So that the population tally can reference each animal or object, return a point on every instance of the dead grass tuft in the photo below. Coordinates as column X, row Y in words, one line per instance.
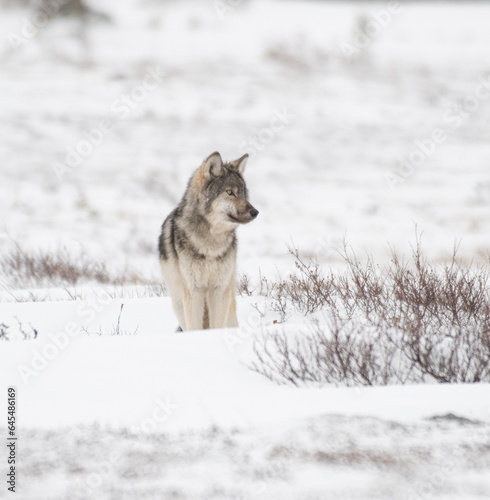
column 22, row 268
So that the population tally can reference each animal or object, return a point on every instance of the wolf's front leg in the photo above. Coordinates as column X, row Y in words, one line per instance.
column 232, row 320
column 218, row 305
column 194, row 309
column 178, row 305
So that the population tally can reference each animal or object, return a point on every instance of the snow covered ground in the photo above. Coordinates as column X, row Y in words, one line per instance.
column 159, row 414
column 329, row 456
column 156, row 414
column 150, row 413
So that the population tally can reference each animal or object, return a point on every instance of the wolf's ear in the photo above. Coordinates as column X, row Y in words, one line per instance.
column 240, row 164
column 212, row 166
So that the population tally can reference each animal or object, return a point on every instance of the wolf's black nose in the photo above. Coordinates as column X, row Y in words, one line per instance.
column 254, row 213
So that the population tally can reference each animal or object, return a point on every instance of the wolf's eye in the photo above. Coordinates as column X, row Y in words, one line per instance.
column 230, row 192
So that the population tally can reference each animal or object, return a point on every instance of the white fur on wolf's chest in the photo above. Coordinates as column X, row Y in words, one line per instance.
column 208, row 273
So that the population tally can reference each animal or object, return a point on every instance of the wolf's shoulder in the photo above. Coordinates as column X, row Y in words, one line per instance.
column 167, row 233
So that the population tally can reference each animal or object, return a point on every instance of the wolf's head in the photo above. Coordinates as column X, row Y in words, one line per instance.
column 222, row 192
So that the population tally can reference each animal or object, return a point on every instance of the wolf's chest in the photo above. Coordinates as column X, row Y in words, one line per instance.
column 209, row 272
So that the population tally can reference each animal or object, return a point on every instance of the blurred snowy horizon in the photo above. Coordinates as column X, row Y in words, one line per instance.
column 363, row 120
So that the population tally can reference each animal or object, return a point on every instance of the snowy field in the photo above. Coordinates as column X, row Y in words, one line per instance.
column 162, row 415
column 104, row 120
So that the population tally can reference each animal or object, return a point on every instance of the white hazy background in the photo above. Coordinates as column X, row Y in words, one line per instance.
column 356, row 84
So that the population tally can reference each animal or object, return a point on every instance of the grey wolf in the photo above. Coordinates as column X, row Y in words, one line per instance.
column 198, row 244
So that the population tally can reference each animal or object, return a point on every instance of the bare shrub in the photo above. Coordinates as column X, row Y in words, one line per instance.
column 3, row 331
column 49, row 6
column 298, row 54
column 53, row 9
column 22, row 268
column 345, row 354
column 22, row 333
column 116, row 329
column 245, row 286
column 409, row 321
